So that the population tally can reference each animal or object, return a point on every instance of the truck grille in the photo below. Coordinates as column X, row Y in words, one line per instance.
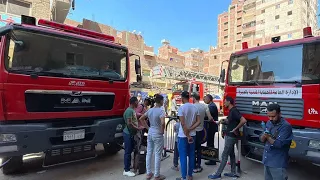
column 290, row 108
column 69, row 150
column 62, row 101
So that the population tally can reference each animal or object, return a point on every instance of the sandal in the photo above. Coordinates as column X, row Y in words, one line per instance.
column 149, row 176
column 176, row 168
column 196, row 170
column 160, row 177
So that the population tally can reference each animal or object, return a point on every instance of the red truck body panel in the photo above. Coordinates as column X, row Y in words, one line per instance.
column 13, row 87
column 310, row 92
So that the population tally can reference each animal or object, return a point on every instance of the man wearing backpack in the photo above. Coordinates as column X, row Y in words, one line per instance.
column 129, row 132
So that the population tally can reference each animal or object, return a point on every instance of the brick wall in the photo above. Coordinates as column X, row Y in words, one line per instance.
column 40, row 9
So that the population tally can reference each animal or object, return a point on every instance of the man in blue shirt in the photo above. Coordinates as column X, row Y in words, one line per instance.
column 277, row 138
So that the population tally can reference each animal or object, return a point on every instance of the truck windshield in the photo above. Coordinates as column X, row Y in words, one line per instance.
column 180, row 87
column 48, row 55
column 282, row 65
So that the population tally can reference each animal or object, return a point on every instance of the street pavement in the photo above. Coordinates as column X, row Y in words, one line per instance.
column 111, row 167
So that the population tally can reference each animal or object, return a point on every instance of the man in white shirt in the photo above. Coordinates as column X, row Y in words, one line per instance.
column 199, row 131
column 189, row 119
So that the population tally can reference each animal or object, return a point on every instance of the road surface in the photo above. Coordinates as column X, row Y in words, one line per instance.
column 111, row 168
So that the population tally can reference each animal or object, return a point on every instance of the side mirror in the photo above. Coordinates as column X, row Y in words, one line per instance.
column 137, row 66
column 139, row 78
column 222, row 75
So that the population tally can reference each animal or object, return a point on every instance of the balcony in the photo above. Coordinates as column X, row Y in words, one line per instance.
column 60, row 10
column 148, row 53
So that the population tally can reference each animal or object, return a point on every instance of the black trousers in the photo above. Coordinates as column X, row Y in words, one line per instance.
column 198, row 149
column 211, row 132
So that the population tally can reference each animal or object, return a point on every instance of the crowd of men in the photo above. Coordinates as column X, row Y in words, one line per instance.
column 189, row 129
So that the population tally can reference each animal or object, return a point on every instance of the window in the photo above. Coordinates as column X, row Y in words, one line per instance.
column 290, row 35
column 263, row 11
column 225, row 44
column 15, row 7
column 276, row 27
column 69, row 58
column 214, row 57
column 225, row 30
column 290, row 23
column 239, row 18
column 289, row 13
column 226, row 23
column 277, row 16
column 238, row 40
column 260, row 65
column 262, row 21
column 277, row 6
column 238, row 33
column 290, row 2
column 225, row 37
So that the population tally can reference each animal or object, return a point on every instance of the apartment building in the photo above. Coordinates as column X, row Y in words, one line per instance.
column 11, row 10
column 257, row 21
column 194, row 60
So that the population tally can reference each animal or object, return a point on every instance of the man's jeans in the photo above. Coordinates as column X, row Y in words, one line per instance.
column 228, row 151
column 175, row 155
column 186, row 149
column 128, row 149
column 155, row 144
column 198, row 149
column 271, row 173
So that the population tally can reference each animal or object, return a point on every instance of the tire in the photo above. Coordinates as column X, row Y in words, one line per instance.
column 14, row 165
column 111, row 148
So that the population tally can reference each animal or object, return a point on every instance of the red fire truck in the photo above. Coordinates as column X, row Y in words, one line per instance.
column 63, row 90
column 193, row 86
column 286, row 73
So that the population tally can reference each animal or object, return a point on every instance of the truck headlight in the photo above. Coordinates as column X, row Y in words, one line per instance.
column 6, row 138
column 314, row 144
column 119, row 127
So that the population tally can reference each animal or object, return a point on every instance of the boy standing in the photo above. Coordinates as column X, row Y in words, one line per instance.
column 129, row 132
column 176, row 152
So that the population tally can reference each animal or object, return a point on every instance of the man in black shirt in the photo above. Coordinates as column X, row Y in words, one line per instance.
column 211, row 123
column 234, row 122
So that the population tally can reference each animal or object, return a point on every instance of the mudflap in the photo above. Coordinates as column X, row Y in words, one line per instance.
column 209, row 153
column 67, row 155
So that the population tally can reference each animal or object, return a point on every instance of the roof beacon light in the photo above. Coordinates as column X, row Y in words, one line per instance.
column 307, row 32
column 245, row 45
column 275, row 39
column 75, row 30
column 28, row 20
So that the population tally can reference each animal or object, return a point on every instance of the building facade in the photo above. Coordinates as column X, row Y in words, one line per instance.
column 11, row 10
column 256, row 22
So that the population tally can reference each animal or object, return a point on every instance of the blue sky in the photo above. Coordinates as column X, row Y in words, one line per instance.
column 185, row 23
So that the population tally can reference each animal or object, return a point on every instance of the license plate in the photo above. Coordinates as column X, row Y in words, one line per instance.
column 73, row 135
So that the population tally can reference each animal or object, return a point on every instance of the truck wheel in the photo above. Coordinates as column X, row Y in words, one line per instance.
column 245, row 149
column 13, row 166
column 111, row 148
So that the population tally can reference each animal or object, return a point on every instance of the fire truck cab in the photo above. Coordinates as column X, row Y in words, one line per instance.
column 63, row 90
column 286, row 73
column 192, row 87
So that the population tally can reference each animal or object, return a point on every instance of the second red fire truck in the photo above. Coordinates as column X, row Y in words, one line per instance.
column 286, row 73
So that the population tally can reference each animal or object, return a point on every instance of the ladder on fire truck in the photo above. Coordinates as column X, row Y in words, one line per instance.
column 161, row 71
